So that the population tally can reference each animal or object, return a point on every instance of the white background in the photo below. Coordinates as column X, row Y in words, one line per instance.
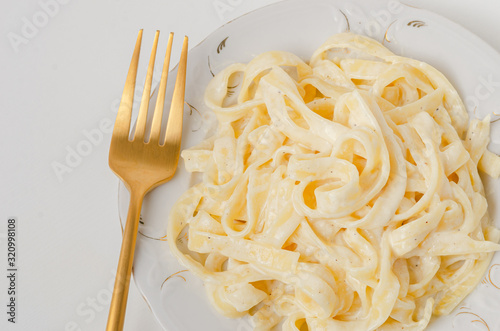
column 59, row 83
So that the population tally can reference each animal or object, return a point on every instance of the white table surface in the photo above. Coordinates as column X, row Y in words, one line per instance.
column 60, row 82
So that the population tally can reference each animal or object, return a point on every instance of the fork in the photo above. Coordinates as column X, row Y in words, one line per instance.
column 143, row 165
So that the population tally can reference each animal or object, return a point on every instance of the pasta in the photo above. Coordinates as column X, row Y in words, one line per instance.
column 339, row 194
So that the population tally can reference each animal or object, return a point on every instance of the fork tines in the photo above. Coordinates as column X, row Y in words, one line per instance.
column 123, row 119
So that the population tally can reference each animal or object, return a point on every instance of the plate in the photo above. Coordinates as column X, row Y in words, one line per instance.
column 176, row 297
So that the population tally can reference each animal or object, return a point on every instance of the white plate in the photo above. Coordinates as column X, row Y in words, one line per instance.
column 300, row 26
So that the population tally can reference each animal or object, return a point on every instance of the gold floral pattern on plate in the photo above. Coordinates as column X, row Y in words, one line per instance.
column 475, row 318
column 487, row 280
column 176, row 274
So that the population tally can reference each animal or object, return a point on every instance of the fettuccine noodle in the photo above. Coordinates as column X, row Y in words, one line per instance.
column 339, row 194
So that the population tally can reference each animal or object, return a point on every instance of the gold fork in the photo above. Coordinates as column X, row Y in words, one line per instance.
column 142, row 165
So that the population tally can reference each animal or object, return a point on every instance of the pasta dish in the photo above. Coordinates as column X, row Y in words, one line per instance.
column 341, row 193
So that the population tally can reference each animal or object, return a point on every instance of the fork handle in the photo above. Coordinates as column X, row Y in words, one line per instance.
column 118, row 305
